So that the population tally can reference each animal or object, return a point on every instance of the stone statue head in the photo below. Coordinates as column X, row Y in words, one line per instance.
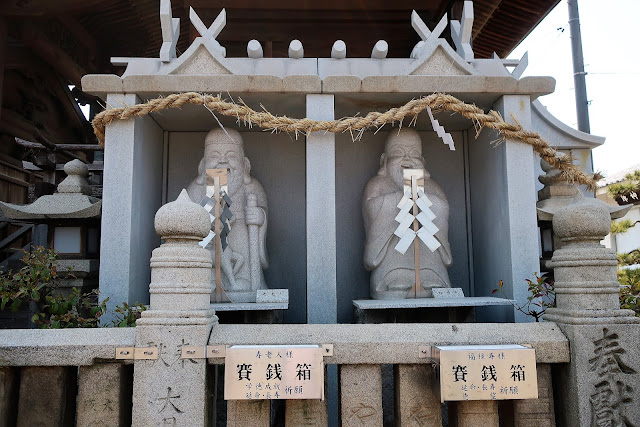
column 402, row 150
column 225, row 150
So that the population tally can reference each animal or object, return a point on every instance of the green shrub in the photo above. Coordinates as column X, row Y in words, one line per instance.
column 541, row 296
column 36, row 283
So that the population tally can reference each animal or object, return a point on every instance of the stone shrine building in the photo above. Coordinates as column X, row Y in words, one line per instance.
column 368, row 256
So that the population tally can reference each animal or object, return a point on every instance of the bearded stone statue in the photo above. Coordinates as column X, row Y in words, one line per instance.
column 393, row 273
column 245, row 258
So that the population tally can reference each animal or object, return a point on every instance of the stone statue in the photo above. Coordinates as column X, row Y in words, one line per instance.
column 392, row 273
column 245, row 258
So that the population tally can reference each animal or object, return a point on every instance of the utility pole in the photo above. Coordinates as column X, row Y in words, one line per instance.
column 580, row 86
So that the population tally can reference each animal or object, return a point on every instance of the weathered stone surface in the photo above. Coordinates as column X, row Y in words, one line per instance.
column 398, row 343
column 43, row 397
column 321, row 215
column 272, row 296
column 586, row 283
column 79, row 268
column 417, row 396
column 71, row 200
column 171, row 390
column 600, row 386
column 76, row 181
column 104, row 396
column 306, row 413
column 61, row 347
column 537, row 412
column 8, row 396
column 131, row 196
column 249, row 306
column 430, row 302
column 477, row 413
column 360, row 395
column 248, row 413
column 462, row 86
column 448, row 293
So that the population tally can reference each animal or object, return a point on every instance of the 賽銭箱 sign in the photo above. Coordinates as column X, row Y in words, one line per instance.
column 273, row 372
column 492, row 372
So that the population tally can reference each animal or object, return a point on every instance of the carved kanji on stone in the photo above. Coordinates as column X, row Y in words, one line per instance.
column 611, row 396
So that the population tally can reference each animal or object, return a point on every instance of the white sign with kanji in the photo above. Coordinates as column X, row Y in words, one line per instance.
column 273, row 372
column 492, row 372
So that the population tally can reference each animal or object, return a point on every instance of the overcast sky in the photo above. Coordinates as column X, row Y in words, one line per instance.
column 609, row 37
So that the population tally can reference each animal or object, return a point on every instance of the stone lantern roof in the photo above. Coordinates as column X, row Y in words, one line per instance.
column 72, row 200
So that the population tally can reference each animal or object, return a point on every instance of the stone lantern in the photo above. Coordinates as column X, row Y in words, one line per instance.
column 73, row 219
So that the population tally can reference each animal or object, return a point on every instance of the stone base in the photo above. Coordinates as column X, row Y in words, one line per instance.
column 591, row 317
column 260, row 296
column 248, row 306
column 272, row 295
column 600, row 385
column 249, row 312
column 427, row 310
column 46, row 396
column 235, row 297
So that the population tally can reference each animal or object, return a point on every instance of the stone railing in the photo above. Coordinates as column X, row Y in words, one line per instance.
column 77, row 377
column 54, row 377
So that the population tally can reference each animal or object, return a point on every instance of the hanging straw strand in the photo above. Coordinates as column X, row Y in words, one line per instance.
column 373, row 120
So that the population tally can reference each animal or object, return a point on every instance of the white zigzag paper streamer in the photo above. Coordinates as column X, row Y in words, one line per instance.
column 405, row 219
column 444, row 135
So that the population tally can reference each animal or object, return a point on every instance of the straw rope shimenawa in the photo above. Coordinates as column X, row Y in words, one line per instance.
column 373, row 120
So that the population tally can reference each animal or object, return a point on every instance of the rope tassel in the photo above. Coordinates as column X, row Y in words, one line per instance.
column 373, row 120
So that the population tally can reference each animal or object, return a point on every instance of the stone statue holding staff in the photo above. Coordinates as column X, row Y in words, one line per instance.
column 245, row 258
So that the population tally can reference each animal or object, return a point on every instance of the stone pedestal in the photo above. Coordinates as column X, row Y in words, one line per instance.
column 250, row 312
column 306, row 413
column 422, row 310
column 248, row 413
column 417, row 396
column 104, row 395
column 44, row 397
column 537, row 412
column 360, row 395
column 476, row 413
column 170, row 390
column 600, row 385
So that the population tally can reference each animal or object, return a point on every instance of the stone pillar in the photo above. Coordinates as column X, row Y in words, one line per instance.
column 417, row 399
column 360, row 395
column 104, row 395
column 322, row 302
column 321, row 215
column 306, row 413
column 505, row 235
column 44, row 397
column 131, row 195
column 8, row 396
column 600, row 386
column 537, row 412
column 477, row 413
column 248, row 413
column 171, row 390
